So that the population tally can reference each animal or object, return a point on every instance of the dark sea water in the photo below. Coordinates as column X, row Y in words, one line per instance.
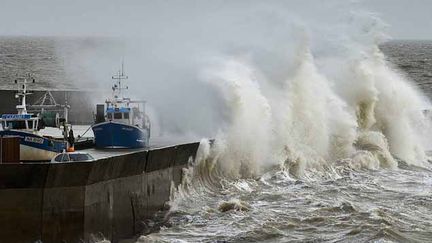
column 415, row 59
column 57, row 63
column 20, row 56
column 335, row 204
column 343, row 206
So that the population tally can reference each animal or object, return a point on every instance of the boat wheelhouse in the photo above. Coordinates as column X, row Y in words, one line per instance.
column 25, row 122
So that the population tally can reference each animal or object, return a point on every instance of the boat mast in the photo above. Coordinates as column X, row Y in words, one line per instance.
column 22, row 93
column 117, row 88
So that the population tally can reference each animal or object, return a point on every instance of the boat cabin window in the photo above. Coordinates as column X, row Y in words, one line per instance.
column 62, row 158
column 16, row 125
column 30, row 124
column 80, row 157
column 58, row 158
column 117, row 115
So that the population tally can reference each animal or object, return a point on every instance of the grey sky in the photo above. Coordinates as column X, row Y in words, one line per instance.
column 406, row 19
column 171, row 42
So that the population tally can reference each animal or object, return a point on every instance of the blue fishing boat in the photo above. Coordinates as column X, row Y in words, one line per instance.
column 121, row 122
column 33, row 146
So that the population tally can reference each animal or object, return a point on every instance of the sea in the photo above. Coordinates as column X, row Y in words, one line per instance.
column 240, row 189
column 337, row 202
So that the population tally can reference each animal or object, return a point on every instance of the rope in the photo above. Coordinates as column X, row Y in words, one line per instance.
column 80, row 136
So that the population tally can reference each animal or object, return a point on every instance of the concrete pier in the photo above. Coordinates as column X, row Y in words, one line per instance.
column 72, row 202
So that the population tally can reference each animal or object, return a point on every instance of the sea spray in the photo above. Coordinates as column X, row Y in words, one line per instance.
column 319, row 129
column 311, row 101
column 399, row 113
column 386, row 103
column 324, row 130
column 372, row 151
column 244, row 146
column 369, row 117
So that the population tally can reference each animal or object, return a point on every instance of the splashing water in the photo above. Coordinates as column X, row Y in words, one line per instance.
column 327, row 145
column 377, row 119
column 313, row 159
column 312, row 164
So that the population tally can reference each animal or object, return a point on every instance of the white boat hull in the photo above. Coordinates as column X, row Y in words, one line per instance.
column 28, row 153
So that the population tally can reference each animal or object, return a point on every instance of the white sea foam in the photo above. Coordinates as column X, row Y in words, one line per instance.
column 362, row 111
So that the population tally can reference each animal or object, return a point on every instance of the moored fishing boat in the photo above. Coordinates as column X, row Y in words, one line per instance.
column 33, row 146
column 121, row 122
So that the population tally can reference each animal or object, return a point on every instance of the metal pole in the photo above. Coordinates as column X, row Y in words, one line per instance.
column 66, row 113
column 1, row 149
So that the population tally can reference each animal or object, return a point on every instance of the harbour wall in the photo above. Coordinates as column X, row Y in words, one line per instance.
column 74, row 202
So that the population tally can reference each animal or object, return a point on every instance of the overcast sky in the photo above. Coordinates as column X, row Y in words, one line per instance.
column 406, row 19
column 174, row 41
